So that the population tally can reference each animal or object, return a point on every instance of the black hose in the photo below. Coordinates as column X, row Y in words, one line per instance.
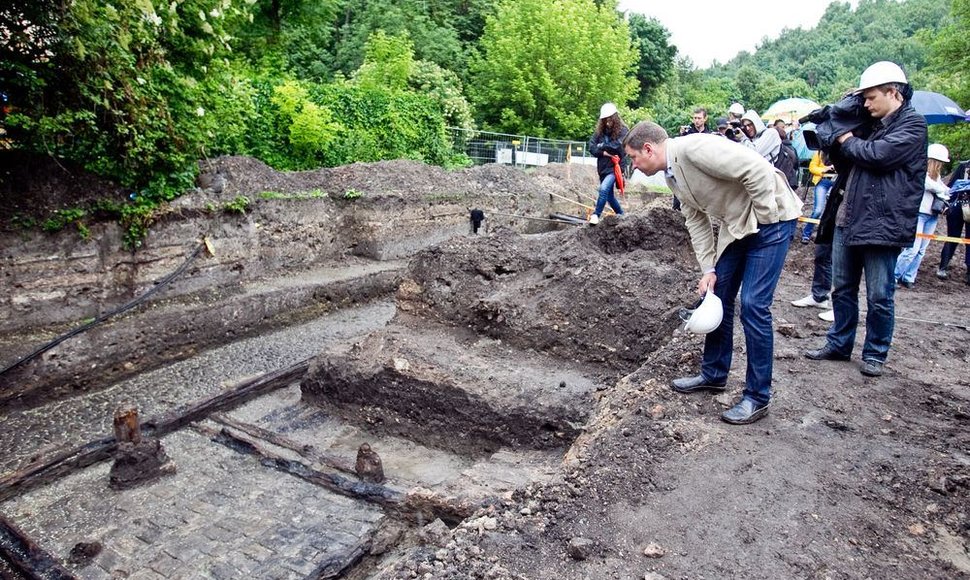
column 158, row 286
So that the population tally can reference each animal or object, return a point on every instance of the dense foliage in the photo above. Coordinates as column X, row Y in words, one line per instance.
column 139, row 90
column 546, row 67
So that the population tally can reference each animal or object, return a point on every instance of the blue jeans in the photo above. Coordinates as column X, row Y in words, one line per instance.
column 909, row 260
column 751, row 265
column 822, row 190
column 848, row 265
column 606, row 195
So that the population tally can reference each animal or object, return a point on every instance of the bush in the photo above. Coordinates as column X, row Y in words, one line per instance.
column 297, row 127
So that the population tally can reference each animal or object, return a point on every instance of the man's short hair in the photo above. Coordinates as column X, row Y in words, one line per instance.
column 644, row 132
column 700, row 110
column 885, row 87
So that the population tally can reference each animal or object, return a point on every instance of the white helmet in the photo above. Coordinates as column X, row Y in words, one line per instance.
column 938, row 152
column 881, row 73
column 736, row 109
column 707, row 316
column 607, row 110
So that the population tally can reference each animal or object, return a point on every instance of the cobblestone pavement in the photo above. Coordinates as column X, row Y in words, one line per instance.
column 222, row 515
column 61, row 424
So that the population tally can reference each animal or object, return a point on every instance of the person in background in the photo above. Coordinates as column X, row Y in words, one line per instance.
column 823, row 176
column 780, row 126
column 698, row 124
column 722, row 125
column 876, row 217
column 606, row 144
column 732, row 129
column 955, row 222
column 909, row 260
column 766, row 142
column 719, row 182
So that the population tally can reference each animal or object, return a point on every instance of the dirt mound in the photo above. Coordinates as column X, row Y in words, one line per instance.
column 586, row 294
column 34, row 186
column 400, row 178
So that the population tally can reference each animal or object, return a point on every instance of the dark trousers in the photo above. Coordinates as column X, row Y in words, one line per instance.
column 822, row 277
column 752, row 266
column 954, row 228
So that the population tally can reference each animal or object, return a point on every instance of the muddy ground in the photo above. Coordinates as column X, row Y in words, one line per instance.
column 848, row 477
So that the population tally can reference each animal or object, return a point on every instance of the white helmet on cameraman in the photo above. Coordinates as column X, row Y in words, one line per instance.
column 938, row 152
column 607, row 110
column 707, row 316
column 881, row 73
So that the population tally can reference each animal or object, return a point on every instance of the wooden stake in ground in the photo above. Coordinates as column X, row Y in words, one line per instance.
column 137, row 460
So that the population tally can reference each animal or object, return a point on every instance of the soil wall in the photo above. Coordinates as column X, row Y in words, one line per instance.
column 296, row 221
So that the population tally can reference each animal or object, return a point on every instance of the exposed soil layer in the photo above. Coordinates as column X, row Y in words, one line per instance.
column 605, row 295
column 454, row 390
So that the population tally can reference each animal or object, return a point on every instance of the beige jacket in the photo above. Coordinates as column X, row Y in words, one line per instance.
column 719, row 181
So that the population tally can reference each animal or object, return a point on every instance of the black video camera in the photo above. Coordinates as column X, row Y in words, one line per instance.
column 733, row 131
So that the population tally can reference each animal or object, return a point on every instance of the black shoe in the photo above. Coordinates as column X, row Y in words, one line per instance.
column 942, row 274
column 746, row 411
column 694, row 384
column 905, row 284
column 825, row 353
column 871, row 368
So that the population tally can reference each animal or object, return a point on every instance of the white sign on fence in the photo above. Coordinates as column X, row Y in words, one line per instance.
column 521, row 157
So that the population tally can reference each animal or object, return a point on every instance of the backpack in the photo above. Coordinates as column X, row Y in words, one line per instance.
column 787, row 162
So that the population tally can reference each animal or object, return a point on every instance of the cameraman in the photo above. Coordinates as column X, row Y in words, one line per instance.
column 699, row 124
column 732, row 125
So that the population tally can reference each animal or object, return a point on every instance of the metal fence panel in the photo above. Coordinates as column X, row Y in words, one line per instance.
column 518, row 150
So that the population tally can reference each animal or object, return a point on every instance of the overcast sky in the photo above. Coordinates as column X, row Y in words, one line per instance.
column 707, row 30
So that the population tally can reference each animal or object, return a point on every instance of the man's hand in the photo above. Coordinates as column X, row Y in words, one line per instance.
column 845, row 137
column 707, row 281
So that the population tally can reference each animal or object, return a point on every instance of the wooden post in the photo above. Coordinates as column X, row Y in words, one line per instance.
column 127, row 428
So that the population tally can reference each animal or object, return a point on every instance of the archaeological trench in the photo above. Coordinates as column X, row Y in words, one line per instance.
column 215, row 429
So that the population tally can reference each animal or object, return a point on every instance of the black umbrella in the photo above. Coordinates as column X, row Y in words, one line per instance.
column 937, row 108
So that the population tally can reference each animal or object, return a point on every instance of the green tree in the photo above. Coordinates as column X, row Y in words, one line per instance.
column 295, row 36
column 388, row 62
column 656, row 62
column 129, row 90
column 428, row 24
column 949, row 73
column 546, row 66
column 429, row 79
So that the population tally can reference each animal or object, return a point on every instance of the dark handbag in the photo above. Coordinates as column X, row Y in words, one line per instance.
column 938, row 207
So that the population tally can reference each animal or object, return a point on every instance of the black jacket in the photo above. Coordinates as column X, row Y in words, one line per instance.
column 601, row 146
column 834, row 120
column 884, row 176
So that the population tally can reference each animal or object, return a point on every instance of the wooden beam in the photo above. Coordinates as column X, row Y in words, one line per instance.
column 47, row 469
column 305, row 451
column 335, row 482
column 26, row 557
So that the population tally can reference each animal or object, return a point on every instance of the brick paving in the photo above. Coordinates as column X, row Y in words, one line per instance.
column 222, row 515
